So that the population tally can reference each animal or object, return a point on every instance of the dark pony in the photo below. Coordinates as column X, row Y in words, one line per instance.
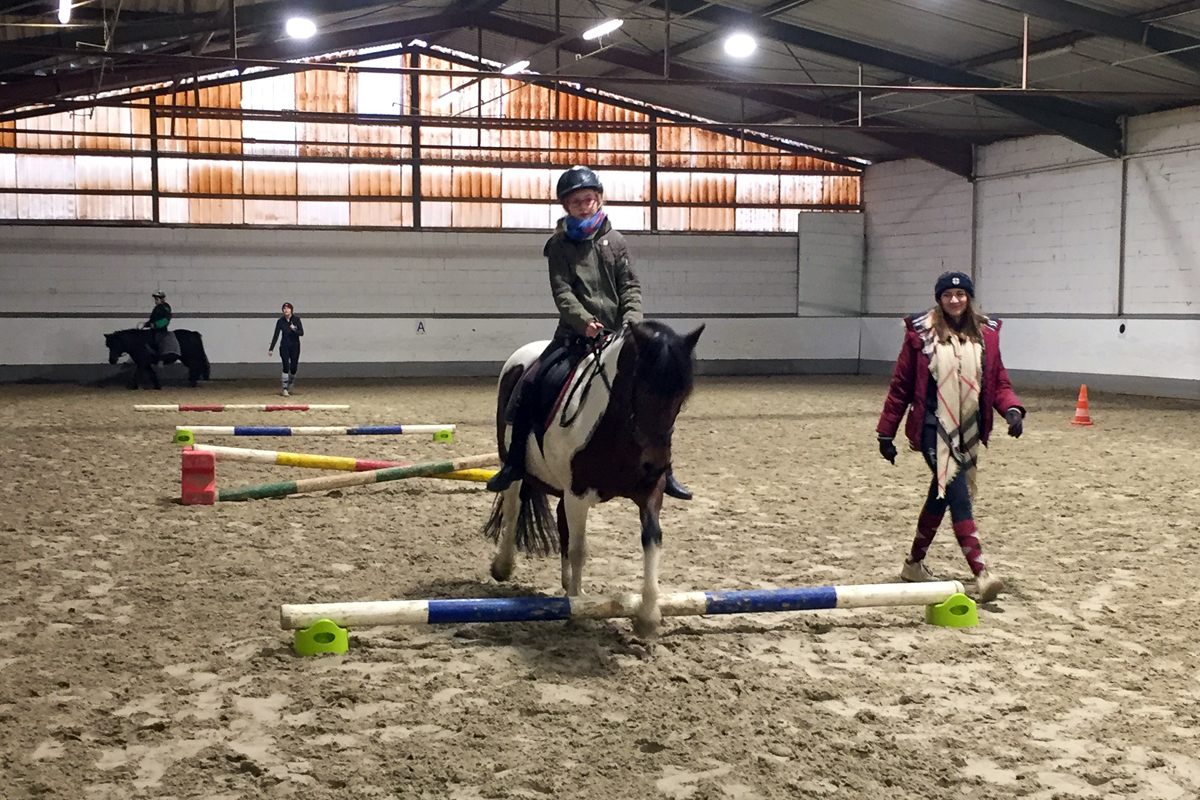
column 139, row 344
column 609, row 436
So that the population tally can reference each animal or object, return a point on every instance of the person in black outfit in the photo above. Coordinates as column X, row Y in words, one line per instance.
column 288, row 330
column 160, row 318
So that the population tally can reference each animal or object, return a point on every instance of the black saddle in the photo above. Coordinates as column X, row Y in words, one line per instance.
column 542, row 384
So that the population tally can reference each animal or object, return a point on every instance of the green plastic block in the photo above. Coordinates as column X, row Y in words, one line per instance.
column 957, row 611
column 443, row 436
column 184, row 437
column 323, row 636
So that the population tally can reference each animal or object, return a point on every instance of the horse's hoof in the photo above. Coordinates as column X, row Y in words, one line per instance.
column 500, row 572
column 647, row 628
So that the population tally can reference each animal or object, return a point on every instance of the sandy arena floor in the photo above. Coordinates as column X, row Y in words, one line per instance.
column 142, row 655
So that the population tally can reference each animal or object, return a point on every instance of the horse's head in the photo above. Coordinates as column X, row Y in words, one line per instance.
column 114, row 348
column 662, row 381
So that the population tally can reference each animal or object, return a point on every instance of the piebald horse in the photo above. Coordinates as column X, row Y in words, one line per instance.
column 608, row 436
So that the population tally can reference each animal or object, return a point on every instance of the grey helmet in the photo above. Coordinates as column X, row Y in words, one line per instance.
column 578, row 178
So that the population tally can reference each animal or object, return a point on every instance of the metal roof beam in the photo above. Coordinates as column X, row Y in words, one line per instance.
column 949, row 154
column 1093, row 128
column 1101, row 23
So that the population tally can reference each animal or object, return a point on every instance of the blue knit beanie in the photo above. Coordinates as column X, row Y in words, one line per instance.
column 953, row 280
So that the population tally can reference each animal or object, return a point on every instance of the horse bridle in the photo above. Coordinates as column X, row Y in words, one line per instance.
column 596, row 347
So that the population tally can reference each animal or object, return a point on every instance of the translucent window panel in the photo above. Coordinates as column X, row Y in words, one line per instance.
column 202, row 211
column 99, row 120
column 273, row 137
column 437, row 182
column 45, row 172
column 435, row 142
column 631, row 149
column 312, row 213
column 174, row 210
column 269, row 177
column 631, row 187
column 172, row 175
column 475, row 215
column 522, row 215
column 673, row 145
column 377, row 180
column 325, row 91
column 8, row 180
column 105, row 173
column 492, row 93
column 276, row 93
column 141, row 174
column 800, row 189
column 436, row 215
column 214, row 177
column 789, row 220
column 140, row 119
column 8, row 134
column 143, row 208
column 269, row 138
column 713, row 187
column 713, row 219
column 629, row 218
column 674, row 187
column 381, row 93
column 270, row 212
column 381, row 214
column 674, row 219
column 381, row 141
column 36, row 132
column 757, row 219
column 46, row 206
column 332, row 179
column 476, row 182
column 517, row 183
column 527, row 146
column 758, row 190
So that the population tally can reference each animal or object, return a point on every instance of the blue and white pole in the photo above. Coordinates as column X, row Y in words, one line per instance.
column 323, row 430
column 536, row 609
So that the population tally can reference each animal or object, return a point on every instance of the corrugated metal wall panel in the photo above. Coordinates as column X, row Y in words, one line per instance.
column 269, row 212
column 325, row 214
column 103, row 172
column 268, row 177
column 381, row 214
column 372, row 180
column 322, row 90
column 8, row 134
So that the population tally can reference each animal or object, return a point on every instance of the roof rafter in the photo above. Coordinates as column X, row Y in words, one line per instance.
column 1093, row 128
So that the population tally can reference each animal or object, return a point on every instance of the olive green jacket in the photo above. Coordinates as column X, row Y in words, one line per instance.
column 592, row 280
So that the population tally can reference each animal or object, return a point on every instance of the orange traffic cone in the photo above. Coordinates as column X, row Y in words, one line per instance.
column 1081, row 408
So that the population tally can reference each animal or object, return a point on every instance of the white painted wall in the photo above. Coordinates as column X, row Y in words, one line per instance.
column 1048, row 255
column 831, row 263
column 362, row 294
column 918, row 225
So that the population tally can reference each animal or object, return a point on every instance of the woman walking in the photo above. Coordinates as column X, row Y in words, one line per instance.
column 949, row 377
column 288, row 330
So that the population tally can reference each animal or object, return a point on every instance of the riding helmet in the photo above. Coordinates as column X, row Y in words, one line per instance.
column 163, row 295
column 578, row 178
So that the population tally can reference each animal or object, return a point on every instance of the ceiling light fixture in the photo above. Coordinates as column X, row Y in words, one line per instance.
column 64, row 11
column 740, row 45
column 515, row 67
column 300, row 28
column 608, row 26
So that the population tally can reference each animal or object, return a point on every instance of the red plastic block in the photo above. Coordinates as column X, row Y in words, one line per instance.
column 199, row 478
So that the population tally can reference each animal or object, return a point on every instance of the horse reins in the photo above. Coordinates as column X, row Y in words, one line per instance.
column 596, row 348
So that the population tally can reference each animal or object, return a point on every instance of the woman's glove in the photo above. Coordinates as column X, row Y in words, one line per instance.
column 1015, row 422
column 887, row 449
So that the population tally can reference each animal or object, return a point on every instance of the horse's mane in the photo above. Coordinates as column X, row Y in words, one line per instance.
column 664, row 362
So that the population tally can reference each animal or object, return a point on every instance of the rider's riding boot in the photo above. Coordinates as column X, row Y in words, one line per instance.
column 514, row 462
column 676, row 489
column 284, row 381
column 291, row 383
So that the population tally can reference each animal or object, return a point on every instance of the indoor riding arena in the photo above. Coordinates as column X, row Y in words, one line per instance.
column 810, row 239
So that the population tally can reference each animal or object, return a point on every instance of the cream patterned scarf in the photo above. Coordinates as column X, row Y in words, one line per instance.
column 957, row 369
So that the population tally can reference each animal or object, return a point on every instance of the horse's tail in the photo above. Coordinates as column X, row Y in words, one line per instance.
column 204, row 365
column 537, row 532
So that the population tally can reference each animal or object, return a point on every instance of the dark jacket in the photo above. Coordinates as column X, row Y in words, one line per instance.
column 160, row 316
column 910, row 382
column 291, row 338
column 592, row 280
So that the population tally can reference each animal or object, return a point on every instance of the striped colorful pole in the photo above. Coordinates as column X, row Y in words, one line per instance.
column 249, row 407
column 333, row 430
column 534, row 609
column 247, row 455
column 357, row 479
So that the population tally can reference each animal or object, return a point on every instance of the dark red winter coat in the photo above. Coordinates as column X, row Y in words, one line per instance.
column 910, row 380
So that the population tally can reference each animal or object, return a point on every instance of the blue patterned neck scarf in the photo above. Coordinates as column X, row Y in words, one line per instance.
column 579, row 230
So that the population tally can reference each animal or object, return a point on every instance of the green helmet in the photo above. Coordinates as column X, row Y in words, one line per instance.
column 578, row 178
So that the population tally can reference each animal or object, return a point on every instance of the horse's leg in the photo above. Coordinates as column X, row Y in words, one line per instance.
column 153, row 376
column 564, row 542
column 506, row 554
column 649, row 616
column 575, row 509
